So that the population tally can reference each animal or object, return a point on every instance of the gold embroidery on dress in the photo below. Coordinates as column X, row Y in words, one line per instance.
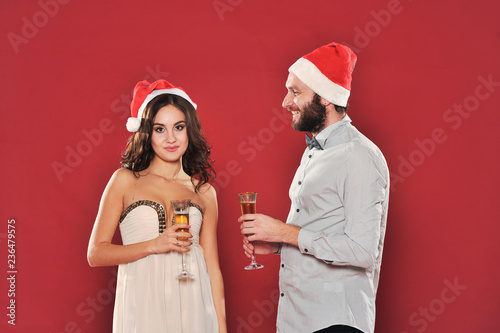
column 156, row 206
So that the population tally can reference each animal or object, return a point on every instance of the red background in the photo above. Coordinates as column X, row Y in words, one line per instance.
column 67, row 72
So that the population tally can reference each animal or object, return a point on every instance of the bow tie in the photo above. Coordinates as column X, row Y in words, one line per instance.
column 313, row 143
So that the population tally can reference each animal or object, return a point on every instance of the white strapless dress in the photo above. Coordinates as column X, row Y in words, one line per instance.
column 149, row 298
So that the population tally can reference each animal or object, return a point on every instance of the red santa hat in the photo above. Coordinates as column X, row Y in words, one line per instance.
column 328, row 72
column 144, row 92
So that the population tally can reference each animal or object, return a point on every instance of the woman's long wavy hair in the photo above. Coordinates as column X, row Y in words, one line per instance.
column 196, row 161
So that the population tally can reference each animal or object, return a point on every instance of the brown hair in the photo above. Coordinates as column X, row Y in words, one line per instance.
column 196, row 161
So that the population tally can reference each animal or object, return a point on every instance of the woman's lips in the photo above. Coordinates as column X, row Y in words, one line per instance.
column 171, row 149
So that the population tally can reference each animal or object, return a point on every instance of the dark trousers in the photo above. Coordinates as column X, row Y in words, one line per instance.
column 339, row 329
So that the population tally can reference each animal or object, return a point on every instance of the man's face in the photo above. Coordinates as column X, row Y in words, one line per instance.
column 308, row 113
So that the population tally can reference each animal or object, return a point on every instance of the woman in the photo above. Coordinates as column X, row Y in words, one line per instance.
column 166, row 159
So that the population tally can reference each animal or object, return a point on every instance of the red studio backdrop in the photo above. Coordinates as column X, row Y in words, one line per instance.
column 426, row 90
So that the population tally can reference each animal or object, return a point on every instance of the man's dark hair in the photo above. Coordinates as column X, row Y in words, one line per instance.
column 341, row 109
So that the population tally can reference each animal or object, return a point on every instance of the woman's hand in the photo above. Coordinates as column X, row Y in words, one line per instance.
column 172, row 239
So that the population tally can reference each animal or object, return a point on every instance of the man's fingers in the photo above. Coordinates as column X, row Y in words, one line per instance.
column 246, row 217
column 247, row 250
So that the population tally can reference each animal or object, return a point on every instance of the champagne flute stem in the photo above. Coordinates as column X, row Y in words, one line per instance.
column 183, row 261
column 253, row 256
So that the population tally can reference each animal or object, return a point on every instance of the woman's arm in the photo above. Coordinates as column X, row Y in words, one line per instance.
column 101, row 252
column 208, row 242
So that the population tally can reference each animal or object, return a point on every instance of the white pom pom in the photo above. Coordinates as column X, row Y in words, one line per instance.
column 133, row 124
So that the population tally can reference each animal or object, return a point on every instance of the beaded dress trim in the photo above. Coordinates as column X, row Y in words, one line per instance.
column 156, row 206
column 159, row 210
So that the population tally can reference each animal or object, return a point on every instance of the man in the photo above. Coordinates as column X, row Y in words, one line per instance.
column 331, row 245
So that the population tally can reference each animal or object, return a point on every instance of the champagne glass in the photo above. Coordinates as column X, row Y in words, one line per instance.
column 181, row 215
column 248, row 203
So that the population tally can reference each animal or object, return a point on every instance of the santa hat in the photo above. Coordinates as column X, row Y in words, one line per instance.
column 144, row 92
column 328, row 72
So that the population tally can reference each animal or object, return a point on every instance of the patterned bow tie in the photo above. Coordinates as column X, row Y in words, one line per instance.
column 313, row 143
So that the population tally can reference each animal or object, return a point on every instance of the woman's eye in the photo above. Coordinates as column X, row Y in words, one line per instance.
column 179, row 127
column 159, row 129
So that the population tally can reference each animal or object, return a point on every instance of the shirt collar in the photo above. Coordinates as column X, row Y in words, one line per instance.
column 331, row 130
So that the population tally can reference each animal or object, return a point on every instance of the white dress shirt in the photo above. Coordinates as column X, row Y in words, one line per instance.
column 339, row 198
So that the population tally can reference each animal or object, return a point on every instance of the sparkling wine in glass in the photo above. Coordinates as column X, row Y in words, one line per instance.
column 181, row 215
column 248, row 203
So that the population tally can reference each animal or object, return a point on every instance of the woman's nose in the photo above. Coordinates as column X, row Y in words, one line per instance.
column 170, row 138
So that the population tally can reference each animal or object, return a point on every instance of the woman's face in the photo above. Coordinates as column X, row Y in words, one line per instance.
column 169, row 138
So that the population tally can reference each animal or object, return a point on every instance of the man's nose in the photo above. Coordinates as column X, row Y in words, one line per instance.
column 287, row 101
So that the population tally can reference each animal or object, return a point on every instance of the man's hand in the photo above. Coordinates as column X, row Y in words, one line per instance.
column 259, row 247
column 259, row 227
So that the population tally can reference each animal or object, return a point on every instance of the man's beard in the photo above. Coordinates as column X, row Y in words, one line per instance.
column 312, row 117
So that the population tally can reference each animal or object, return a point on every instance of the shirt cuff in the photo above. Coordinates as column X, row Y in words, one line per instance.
column 305, row 241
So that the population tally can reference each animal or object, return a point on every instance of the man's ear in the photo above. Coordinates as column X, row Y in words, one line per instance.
column 325, row 102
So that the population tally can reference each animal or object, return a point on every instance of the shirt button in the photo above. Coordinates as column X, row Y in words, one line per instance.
column 282, row 265
column 306, row 250
column 282, row 294
column 300, row 183
column 298, row 210
column 310, row 156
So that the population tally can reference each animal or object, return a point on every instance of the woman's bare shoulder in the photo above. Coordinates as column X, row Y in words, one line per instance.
column 123, row 178
column 207, row 196
column 207, row 191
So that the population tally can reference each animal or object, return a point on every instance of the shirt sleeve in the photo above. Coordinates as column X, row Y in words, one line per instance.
column 363, row 185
